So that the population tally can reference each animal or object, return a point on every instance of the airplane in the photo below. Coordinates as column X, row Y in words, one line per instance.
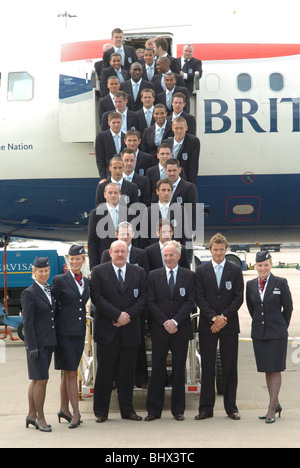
column 247, row 107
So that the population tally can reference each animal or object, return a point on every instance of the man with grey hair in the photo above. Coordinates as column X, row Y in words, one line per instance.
column 171, row 301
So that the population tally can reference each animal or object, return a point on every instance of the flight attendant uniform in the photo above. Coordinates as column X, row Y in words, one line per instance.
column 38, row 309
column 71, row 294
column 270, row 306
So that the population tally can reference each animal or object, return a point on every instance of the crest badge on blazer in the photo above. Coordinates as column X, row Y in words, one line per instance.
column 136, row 293
column 182, row 292
column 229, row 285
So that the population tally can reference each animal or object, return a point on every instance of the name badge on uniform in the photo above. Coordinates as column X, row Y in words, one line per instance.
column 276, row 291
column 136, row 293
column 182, row 292
column 229, row 285
column 185, row 156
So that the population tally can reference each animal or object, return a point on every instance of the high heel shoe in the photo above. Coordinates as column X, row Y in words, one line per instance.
column 272, row 420
column 41, row 428
column 62, row 415
column 30, row 421
column 74, row 425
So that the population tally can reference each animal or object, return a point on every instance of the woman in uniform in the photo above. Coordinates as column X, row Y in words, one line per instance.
column 40, row 339
column 71, row 293
column 270, row 305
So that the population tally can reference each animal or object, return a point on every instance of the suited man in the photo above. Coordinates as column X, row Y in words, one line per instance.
column 171, row 301
column 178, row 105
column 129, row 175
column 157, row 172
column 129, row 190
column 127, row 53
column 149, row 64
column 185, row 148
column 129, row 118
column 119, row 293
column 220, row 294
column 161, row 50
column 166, row 97
column 135, row 85
column 38, row 309
column 163, row 209
column 163, row 67
column 108, row 143
column 103, row 223
column 165, row 233
column 153, row 136
column 115, row 69
column 137, row 257
column 189, row 65
column 145, row 114
column 143, row 161
column 107, row 103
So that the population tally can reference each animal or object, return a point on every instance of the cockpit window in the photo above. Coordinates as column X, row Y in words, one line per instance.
column 244, row 82
column 276, row 82
column 20, row 86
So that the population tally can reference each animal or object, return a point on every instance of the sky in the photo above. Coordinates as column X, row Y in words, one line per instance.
column 34, row 23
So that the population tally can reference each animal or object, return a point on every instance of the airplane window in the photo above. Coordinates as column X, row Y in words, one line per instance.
column 276, row 82
column 20, row 86
column 244, row 82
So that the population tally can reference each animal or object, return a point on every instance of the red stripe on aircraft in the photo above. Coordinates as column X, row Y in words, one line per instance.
column 93, row 49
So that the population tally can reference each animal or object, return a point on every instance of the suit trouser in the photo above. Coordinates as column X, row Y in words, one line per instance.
column 229, row 357
column 115, row 358
column 156, row 391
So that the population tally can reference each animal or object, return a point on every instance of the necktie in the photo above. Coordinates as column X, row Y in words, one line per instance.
column 120, row 76
column 163, row 82
column 47, row 289
column 115, row 213
column 121, row 281
column 171, row 282
column 150, row 73
column 78, row 278
column 135, row 91
column 121, row 52
column 158, row 136
column 117, row 143
column 219, row 274
column 185, row 66
column 176, row 150
column 148, row 117
column 262, row 284
column 169, row 100
column 163, row 174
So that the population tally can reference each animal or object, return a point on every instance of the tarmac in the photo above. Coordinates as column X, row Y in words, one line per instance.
column 166, row 436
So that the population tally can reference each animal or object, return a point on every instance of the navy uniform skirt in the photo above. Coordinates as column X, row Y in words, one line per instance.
column 68, row 352
column 270, row 355
column 39, row 370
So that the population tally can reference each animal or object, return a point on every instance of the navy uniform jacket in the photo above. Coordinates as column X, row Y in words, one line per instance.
column 109, row 301
column 39, row 318
column 163, row 307
column 225, row 301
column 271, row 317
column 70, row 305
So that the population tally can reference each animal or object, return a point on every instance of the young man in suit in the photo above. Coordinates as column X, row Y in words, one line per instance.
column 178, row 105
column 129, row 118
column 135, row 85
column 108, row 143
column 129, row 175
column 153, row 136
column 103, row 223
column 163, row 67
column 166, row 97
column 149, row 64
column 185, row 148
column 219, row 296
column 171, row 301
column 143, row 160
column 157, row 172
column 115, row 69
column 119, row 293
column 129, row 190
column 189, row 66
column 145, row 114
column 127, row 53
column 165, row 233
column 161, row 50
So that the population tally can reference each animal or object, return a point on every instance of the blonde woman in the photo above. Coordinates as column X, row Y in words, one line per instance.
column 270, row 305
column 40, row 338
column 71, row 293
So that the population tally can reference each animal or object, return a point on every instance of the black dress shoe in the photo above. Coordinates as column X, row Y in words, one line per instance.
column 101, row 419
column 150, row 417
column 133, row 417
column 202, row 415
column 235, row 416
column 179, row 417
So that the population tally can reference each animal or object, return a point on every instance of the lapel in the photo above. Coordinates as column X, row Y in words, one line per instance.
column 70, row 280
column 42, row 295
column 270, row 287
